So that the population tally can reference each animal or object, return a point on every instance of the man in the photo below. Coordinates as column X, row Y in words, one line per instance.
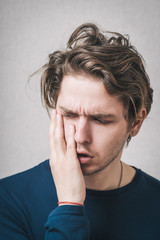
column 100, row 94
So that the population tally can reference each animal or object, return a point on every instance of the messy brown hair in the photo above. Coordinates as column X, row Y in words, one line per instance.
column 109, row 57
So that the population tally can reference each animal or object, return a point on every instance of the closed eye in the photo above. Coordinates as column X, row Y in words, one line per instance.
column 66, row 115
column 99, row 121
column 104, row 122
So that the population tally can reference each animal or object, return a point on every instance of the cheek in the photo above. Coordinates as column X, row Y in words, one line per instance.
column 100, row 138
column 108, row 136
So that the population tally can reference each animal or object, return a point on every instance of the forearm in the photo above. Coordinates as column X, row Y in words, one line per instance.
column 67, row 222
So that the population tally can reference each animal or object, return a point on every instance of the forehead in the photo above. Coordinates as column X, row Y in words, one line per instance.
column 87, row 95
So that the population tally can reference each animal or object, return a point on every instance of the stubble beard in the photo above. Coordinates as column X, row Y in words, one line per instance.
column 108, row 160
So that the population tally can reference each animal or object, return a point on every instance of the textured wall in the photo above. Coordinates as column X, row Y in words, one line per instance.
column 30, row 30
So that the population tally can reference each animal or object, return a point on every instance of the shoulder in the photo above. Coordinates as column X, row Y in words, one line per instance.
column 148, row 184
column 150, row 180
column 23, row 198
column 25, row 175
column 25, row 182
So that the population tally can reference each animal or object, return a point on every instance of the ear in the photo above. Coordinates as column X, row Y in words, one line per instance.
column 137, row 123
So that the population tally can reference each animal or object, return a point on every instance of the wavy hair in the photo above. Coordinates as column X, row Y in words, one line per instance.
column 108, row 56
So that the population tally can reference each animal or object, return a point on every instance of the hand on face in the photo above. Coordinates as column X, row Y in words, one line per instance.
column 65, row 166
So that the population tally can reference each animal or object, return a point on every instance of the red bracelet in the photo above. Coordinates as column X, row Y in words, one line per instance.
column 71, row 203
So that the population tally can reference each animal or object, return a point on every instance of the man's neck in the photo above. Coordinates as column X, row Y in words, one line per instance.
column 108, row 178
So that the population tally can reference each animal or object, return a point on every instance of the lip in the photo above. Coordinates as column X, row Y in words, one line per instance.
column 84, row 157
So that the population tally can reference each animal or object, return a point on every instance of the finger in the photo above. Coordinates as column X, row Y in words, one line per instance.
column 52, row 129
column 59, row 141
column 71, row 144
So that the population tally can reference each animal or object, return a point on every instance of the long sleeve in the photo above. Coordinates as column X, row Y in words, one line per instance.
column 67, row 222
column 12, row 219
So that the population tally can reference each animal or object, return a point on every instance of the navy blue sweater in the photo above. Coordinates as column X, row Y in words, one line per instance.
column 28, row 210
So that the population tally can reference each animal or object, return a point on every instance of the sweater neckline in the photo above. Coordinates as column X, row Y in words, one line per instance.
column 116, row 191
column 120, row 190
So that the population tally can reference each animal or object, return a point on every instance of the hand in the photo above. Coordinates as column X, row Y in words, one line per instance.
column 65, row 166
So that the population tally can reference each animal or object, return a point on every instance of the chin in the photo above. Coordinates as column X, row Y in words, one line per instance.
column 89, row 171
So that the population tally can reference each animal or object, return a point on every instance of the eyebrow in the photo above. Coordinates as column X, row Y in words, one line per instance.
column 98, row 115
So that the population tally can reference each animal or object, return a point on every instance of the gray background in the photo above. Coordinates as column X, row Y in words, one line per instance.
column 32, row 29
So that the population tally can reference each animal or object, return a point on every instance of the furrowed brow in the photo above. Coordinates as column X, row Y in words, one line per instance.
column 65, row 110
column 97, row 116
column 103, row 116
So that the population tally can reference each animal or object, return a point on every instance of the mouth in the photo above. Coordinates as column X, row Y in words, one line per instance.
column 84, row 157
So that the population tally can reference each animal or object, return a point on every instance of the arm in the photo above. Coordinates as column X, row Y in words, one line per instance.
column 12, row 219
column 66, row 221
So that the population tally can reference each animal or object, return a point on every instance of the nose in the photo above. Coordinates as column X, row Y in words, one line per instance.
column 83, row 133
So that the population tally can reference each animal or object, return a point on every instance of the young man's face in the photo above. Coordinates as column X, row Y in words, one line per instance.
column 101, row 129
